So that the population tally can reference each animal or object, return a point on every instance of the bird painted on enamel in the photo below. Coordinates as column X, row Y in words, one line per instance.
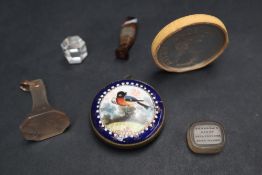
column 123, row 100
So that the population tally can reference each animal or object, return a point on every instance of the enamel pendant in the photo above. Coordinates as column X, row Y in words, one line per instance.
column 127, row 113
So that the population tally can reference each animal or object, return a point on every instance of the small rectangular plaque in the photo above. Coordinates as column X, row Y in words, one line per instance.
column 206, row 137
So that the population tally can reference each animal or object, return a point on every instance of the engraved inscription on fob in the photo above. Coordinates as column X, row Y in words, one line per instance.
column 207, row 134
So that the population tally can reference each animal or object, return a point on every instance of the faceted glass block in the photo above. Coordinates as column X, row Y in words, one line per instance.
column 74, row 49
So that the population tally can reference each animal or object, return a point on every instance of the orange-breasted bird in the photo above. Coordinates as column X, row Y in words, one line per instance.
column 123, row 100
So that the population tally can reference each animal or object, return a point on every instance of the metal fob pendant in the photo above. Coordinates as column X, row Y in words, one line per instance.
column 127, row 113
column 44, row 121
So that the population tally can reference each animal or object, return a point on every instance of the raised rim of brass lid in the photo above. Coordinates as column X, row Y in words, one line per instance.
column 206, row 149
column 178, row 25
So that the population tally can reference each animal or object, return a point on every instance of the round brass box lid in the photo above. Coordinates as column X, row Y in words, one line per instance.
column 189, row 43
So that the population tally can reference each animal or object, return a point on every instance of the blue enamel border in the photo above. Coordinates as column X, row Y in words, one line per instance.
column 142, row 136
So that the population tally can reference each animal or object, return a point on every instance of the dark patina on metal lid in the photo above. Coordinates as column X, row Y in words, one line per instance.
column 127, row 114
column 206, row 137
